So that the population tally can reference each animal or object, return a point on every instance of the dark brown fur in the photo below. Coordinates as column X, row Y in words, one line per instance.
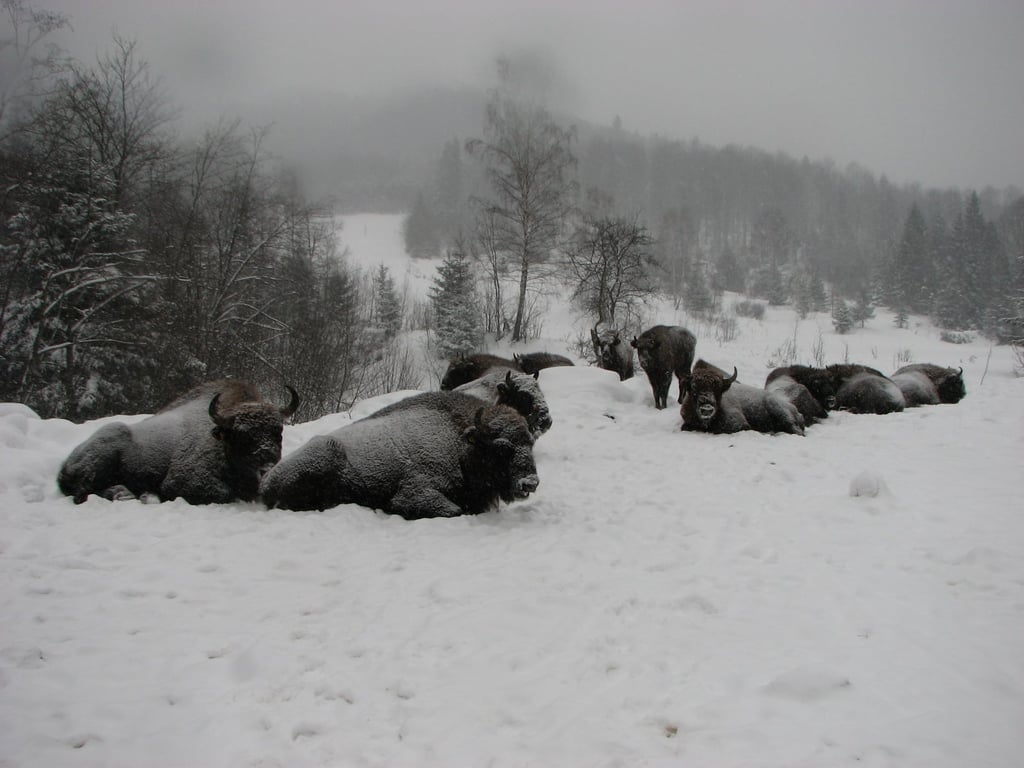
column 463, row 370
column 665, row 350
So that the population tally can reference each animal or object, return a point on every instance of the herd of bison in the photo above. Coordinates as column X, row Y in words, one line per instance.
column 458, row 450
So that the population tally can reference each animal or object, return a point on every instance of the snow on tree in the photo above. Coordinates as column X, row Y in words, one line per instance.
column 456, row 312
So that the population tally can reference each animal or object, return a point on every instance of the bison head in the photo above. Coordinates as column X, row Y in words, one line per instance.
column 704, row 389
column 502, row 455
column 951, row 387
column 523, row 394
column 820, row 384
column 646, row 349
column 250, row 433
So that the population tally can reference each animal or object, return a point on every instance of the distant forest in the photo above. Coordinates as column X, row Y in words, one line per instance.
column 136, row 263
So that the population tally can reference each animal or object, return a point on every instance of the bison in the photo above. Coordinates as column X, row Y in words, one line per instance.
column 535, row 362
column 612, row 353
column 716, row 403
column 861, row 389
column 466, row 368
column 928, row 384
column 521, row 391
column 818, row 382
column 210, row 446
column 664, row 350
column 436, row 454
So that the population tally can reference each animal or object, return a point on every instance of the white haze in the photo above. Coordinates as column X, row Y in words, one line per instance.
column 920, row 90
column 848, row 598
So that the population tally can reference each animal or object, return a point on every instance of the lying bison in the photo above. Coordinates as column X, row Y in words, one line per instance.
column 818, row 382
column 436, row 454
column 612, row 353
column 716, row 403
column 465, row 368
column 503, row 386
column 210, row 446
column 927, row 384
column 860, row 389
column 664, row 350
column 535, row 362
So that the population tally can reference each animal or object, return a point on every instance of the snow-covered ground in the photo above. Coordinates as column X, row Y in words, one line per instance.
column 851, row 597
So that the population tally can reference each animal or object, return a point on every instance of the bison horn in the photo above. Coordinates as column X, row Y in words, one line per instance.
column 961, row 371
column 213, row 409
column 293, row 406
column 732, row 378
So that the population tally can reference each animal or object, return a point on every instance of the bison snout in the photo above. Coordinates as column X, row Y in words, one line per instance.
column 527, row 485
column 830, row 402
column 706, row 411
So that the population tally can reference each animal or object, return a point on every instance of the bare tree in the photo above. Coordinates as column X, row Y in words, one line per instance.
column 528, row 162
column 23, row 68
column 610, row 263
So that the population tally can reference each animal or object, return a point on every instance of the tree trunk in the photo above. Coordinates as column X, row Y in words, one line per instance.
column 524, row 280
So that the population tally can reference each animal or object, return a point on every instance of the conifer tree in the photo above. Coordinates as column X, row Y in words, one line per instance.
column 842, row 317
column 420, row 231
column 387, row 305
column 456, row 313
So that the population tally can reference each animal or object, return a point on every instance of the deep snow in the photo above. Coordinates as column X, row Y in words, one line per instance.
column 851, row 597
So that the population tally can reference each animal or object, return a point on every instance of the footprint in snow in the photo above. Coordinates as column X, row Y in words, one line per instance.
column 807, row 684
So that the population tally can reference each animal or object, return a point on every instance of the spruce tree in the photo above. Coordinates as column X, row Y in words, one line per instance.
column 842, row 317
column 456, row 312
column 387, row 305
column 420, row 231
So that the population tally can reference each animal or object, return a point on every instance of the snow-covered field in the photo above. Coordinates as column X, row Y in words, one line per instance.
column 665, row 598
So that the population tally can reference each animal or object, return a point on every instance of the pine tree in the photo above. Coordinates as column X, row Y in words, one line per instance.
column 387, row 305
column 842, row 317
column 456, row 313
column 911, row 279
column 864, row 309
column 420, row 231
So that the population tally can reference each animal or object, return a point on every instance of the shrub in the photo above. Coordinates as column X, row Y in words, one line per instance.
column 746, row 308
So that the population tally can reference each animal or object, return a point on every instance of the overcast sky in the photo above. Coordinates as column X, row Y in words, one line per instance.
column 927, row 90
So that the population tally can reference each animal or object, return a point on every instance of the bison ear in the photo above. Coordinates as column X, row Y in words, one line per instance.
column 473, row 433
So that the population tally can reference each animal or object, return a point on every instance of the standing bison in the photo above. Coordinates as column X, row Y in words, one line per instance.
column 535, row 362
column 927, row 384
column 436, row 454
column 716, row 403
column 612, row 353
column 664, row 350
column 210, row 446
column 503, row 386
column 860, row 389
column 466, row 368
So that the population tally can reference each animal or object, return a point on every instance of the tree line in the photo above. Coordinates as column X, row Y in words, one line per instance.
column 618, row 217
column 136, row 264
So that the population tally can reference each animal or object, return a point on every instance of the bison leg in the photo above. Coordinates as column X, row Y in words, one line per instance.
column 118, row 493
column 416, row 499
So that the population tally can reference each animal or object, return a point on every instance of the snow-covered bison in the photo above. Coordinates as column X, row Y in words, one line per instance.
column 612, row 353
column 209, row 446
column 928, row 384
column 535, row 362
column 716, row 403
column 503, row 386
column 817, row 381
column 860, row 389
column 436, row 454
column 662, row 351
column 465, row 368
